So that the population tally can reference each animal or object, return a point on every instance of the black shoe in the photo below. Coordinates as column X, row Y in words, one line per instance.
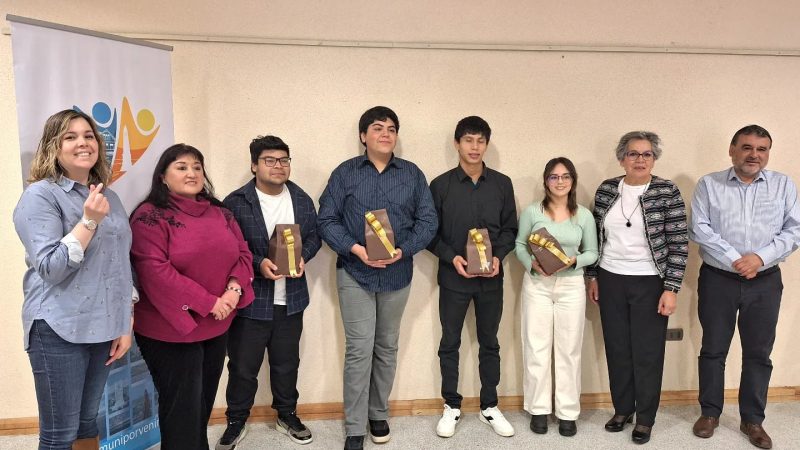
column 290, row 425
column 617, row 423
column 539, row 423
column 354, row 443
column 234, row 434
column 379, row 431
column 641, row 434
column 567, row 427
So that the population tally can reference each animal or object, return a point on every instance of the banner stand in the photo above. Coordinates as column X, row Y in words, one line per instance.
column 125, row 85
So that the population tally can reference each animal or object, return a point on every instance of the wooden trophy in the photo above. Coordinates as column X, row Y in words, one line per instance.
column 285, row 249
column 378, row 235
column 479, row 252
column 547, row 251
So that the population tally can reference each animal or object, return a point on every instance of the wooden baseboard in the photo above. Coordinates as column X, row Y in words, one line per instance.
column 427, row 407
column 21, row 425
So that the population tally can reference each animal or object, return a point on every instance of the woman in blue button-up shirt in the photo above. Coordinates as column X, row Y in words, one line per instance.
column 78, row 288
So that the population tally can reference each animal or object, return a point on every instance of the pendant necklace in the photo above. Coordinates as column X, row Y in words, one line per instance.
column 622, row 204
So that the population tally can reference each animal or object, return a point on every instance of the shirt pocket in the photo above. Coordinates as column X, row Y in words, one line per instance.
column 769, row 213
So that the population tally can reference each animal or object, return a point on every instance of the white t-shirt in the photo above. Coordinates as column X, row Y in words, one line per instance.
column 277, row 209
column 626, row 251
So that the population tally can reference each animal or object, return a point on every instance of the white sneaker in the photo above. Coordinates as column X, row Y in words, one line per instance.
column 447, row 424
column 495, row 419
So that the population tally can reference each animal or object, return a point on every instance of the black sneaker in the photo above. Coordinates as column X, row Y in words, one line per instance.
column 234, row 434
column 379, row 431
column 354, row 443
column 291, row 426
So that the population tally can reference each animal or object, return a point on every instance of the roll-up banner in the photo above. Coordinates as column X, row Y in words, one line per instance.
column 126, row 86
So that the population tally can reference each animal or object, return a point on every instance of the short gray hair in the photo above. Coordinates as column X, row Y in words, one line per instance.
column 653, row 138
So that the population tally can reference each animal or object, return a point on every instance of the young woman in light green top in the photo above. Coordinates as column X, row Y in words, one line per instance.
column 553, row 306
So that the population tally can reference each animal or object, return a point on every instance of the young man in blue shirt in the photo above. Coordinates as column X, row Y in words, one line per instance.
column 373, row 293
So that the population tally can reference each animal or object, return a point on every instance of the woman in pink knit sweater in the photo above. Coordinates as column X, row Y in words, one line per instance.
column 194, row 270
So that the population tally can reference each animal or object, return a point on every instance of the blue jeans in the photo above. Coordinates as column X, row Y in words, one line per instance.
column 69, row 381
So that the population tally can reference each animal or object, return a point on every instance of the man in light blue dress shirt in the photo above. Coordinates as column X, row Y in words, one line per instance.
column 746, row 220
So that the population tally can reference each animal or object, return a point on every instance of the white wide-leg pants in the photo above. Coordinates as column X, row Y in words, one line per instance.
column 553, row 317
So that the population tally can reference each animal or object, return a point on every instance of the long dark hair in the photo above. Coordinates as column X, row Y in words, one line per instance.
column 572, row 200
column 159, row 192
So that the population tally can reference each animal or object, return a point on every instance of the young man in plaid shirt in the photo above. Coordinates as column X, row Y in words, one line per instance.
column 275, row 319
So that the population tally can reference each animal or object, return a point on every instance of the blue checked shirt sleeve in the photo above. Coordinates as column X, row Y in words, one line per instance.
column 247, row 223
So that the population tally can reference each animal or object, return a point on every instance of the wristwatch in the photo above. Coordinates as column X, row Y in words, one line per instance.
column 238, row 290
column 90, row 224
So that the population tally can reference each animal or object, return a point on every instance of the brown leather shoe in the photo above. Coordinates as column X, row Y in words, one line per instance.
column 756, row 434
column 704, row 427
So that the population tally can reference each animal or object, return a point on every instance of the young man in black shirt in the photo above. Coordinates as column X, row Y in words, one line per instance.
column 472, row 196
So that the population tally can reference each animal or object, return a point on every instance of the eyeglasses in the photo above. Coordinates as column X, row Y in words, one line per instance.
column 566, row 178
column 633, row 156
column 271, row 162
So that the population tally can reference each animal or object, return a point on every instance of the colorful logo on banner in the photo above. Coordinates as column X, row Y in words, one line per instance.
column 125, row 143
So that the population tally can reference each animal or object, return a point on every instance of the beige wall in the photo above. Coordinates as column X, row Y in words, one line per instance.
column 540, row 105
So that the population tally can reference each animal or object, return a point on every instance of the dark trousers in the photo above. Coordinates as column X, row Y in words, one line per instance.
column 247, row 339
column 452, row 311
column 720, row 296
column 186, row 376
column 635, row 335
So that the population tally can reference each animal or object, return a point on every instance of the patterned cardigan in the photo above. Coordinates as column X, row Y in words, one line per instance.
column 665, row 224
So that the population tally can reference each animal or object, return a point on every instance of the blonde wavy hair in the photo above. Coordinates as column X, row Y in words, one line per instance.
column 45, row 163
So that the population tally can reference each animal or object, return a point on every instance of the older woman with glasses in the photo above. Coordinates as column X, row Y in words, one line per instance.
column 641, row 222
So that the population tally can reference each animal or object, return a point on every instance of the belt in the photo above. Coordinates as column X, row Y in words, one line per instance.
column 737, row 277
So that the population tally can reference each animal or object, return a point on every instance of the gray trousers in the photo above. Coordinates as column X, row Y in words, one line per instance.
column 371, row 329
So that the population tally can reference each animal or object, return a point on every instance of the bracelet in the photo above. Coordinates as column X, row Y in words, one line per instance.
column 238, row 290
